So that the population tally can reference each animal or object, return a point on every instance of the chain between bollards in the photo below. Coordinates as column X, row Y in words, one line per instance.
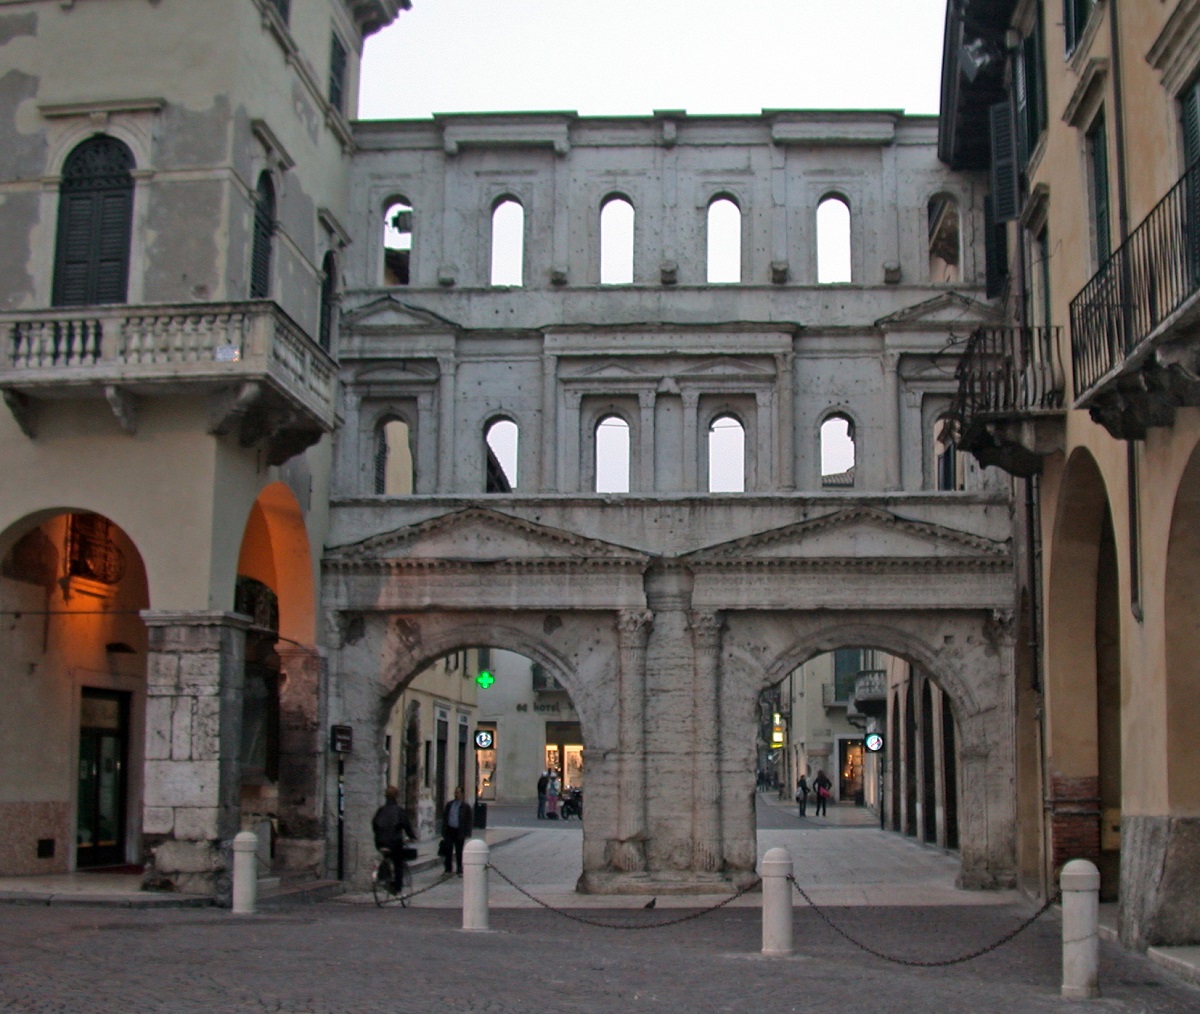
column 626, row 925
column 911, row 963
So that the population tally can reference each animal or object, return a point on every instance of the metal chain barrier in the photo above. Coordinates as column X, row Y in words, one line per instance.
column 912, row 963
column 428, row 887
column 625, row 925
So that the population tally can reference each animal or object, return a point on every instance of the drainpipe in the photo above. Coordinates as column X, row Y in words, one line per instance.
column 1131, row 451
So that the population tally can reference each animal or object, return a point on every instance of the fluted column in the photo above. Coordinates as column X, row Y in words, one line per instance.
column 628, row 852
column 706, row 816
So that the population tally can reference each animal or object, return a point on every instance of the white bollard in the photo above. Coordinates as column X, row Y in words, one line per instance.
column 1080, row 882
column 245, row 872
column 777, row 903
column 475, row 885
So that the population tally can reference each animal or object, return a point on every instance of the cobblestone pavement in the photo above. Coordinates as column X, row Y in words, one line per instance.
column 338, row 958
column 346, row 957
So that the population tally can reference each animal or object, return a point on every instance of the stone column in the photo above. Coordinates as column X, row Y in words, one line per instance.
column 760, row 471
column 646, row 441
column 891, row 420
column 426, row 450
column 691, row 483
column 447, row 452
column 568, row 443
column 301, row 842
column 193, row 774
column 549, row 423
column 628, row 853
column 706, row 686
column 785, row 422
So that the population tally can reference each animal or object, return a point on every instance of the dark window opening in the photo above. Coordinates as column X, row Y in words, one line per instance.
column 328, row 300
column 1097, row 149
column 397, row 243
column 1076, row 14
column 95, row 220
column 1030, row 89
column 337, row 74
column 92, row 551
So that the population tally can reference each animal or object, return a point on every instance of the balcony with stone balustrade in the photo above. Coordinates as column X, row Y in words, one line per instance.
column 264, row 378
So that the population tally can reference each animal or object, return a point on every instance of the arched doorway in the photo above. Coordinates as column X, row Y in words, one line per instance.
column 73, row 687
column 1083, row 678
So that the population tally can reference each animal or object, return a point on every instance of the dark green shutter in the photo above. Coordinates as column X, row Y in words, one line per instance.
column 95, row 221
column 1098, row 149
column 264, row 231
column 1004, row 163
column 995, row 250
column 328, row 300
column 337, row 74
column 1191, row 123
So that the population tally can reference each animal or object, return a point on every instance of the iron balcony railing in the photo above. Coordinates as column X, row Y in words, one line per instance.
column 1148, row 278
column 1008, row 372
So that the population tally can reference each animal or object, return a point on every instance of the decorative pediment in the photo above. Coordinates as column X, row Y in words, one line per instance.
column 407, row 371
column 478, row 536
column 944, row 308
column 389, row 313
column 611, row 368
column 854, row 534
column 725, row 366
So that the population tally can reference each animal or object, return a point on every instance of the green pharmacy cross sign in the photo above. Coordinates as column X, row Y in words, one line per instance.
column 485, row 679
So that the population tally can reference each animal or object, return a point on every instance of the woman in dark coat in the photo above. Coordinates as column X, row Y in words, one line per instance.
column 822, row 786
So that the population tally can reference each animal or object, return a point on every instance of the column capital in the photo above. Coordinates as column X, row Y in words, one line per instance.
column 196, row 618
column 634, row 623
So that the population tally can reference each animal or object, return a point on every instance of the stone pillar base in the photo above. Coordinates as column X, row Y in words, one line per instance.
column 1160, row 868
column 187, row 867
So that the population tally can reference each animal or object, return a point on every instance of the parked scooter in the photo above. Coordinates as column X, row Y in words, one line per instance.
column 572, row 804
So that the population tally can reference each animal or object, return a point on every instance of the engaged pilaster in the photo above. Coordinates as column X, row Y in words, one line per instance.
column 706, row 677
column 628, row 852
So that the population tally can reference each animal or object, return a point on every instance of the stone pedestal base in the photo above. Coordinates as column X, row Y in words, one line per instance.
column 1160, row 868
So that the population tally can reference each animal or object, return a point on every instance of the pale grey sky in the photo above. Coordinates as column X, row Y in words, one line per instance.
column 630, row 57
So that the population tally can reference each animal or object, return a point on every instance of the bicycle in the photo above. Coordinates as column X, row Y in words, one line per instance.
column 383, row 878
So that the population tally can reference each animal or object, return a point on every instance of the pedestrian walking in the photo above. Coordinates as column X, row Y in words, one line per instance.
column 541, row 793
column 552, row 796
column 821, row 786
column 456, row 829
column 802, row 794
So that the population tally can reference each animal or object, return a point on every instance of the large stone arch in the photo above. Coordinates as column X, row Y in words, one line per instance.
column 968, row 653
column 580, row 648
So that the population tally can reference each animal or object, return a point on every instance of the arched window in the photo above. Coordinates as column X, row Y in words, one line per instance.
column 612, row 455
column 501, row 448
column 397, row 242
column 264, row 232
column 837, row 452
column 726, row 455
column 943, row 238
column 329, row 284
column 95, row 222
column 724, row 241
column 949, row 462
column 616, row 242
column 394, row 471
column 508, row 243
column 833, row 240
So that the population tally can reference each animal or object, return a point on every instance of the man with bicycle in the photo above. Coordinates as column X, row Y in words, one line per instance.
column 391, row 826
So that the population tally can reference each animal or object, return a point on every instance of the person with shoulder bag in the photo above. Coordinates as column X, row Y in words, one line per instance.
column 822, row 785
column 802, row 794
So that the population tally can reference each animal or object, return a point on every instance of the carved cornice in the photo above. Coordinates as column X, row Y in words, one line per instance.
column 860, row 565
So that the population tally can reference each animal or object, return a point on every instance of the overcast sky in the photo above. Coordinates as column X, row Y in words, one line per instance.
column 630, row 57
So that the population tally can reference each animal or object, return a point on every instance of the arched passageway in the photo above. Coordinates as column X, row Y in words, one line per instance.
column 72, row 693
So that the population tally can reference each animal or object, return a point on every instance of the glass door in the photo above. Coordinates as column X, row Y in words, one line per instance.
column 103, row 743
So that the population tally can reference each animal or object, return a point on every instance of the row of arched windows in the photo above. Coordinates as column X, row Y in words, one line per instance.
column 95, row 233
column 395, row 468
column 723, row 237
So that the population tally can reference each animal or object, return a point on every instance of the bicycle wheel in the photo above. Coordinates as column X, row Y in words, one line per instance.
column 381, row 882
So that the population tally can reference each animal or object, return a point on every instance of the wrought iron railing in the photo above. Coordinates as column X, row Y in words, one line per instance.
column 1008, row 372
column 1145, row 280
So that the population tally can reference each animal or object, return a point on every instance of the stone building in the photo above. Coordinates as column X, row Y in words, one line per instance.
column 287, row 425
column 1087, row 113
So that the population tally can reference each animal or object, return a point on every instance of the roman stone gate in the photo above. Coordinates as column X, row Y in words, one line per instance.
column 479, row 500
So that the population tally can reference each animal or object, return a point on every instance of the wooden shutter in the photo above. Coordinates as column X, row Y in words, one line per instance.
column 95, row 220
column 1098, row 150
column 328, row 300
column 1004, row 163
column 264, row 231
column 337, row 74
column 1190, row 117
column 995, row 250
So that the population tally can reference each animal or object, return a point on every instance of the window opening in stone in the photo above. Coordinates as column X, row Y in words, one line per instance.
column 726, row 456
column 949, row 462
column 502, row 456
column 943, row 239
column 508, row 243
column 328, row 309
column 337, row 75
column 724, row 241
column 837, row 453
column 264, row 232
column 616, row 242
column 397, row 243
column 833, row 241
column 394, row 471
column 612, row 455
column 95, row 222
